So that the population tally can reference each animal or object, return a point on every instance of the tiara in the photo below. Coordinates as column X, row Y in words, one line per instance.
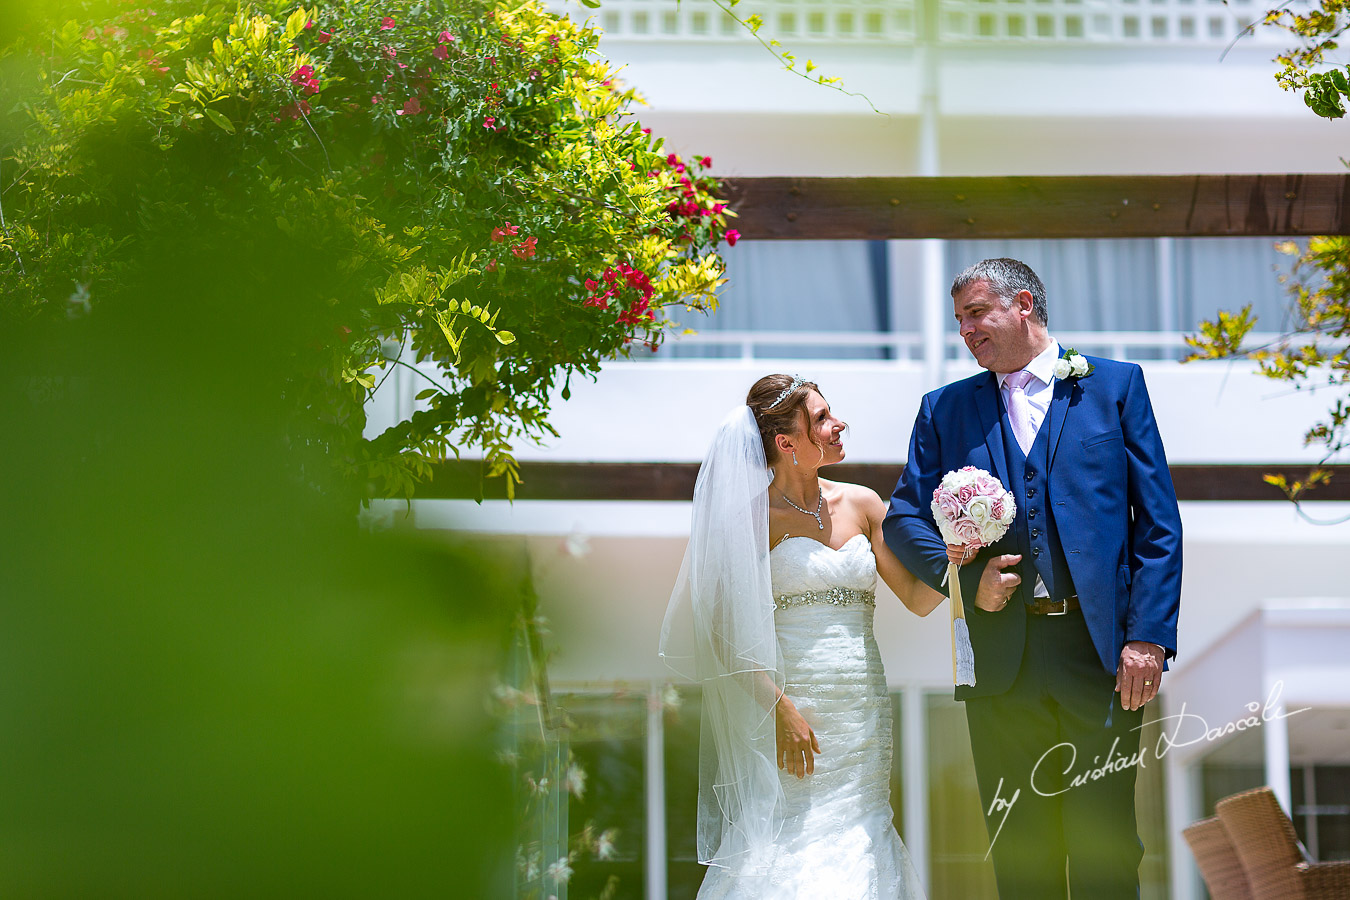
column 797, row 381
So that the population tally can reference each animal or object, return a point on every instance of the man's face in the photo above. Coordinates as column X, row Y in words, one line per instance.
column 997, row 335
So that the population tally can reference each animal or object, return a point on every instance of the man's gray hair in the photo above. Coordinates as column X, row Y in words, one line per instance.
column 1006, row 278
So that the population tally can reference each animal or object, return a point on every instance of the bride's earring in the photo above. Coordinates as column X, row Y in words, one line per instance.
column 794, row 457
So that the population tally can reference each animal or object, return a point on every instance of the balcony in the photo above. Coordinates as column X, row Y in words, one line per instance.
column 899, row 22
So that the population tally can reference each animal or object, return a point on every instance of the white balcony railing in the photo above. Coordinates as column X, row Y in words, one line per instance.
column 1124, row 345
column 800, row 22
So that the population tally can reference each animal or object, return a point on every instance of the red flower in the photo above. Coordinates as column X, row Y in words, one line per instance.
column 732, row 236
column 718, row 207
column 295, row 110
column 411, row 108
column 553, row 39
column 491, row 266
column 638, row 312
column 309, row 24
column 442, row 51
column 376, row 98
column 591, row 284
column 672, row 159
column 525, row 249
column 706, row 162
column 386, row 23
column 325, row 37
column 597, row 301
column 610, row 275
column 506, row 230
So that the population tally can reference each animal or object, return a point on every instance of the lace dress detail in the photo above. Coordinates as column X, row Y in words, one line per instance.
column 838, row 841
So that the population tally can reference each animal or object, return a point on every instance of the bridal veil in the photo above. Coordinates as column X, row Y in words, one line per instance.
column 719, row 631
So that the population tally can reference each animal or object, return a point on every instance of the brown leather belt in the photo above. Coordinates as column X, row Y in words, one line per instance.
column 1044, row 606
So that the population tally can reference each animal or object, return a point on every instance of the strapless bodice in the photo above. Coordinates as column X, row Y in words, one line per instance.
column 803, row 565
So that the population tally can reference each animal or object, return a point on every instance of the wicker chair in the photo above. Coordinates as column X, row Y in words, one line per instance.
column 1218, row 861
column 1274, row 861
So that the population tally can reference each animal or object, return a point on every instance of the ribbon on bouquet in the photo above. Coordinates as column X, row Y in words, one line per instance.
column 963, row 654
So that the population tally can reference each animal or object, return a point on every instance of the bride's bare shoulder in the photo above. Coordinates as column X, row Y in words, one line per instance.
column 857, row 494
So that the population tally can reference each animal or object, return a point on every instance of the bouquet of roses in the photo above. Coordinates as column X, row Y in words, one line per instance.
column 972, row 510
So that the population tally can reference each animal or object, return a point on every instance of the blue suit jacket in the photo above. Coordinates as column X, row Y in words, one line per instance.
column 1110, row 495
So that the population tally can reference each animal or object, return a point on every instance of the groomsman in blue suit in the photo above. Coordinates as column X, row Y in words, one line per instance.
column 1075, row 609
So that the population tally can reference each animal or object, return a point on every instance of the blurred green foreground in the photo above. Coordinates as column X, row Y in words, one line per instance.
column 211, row 684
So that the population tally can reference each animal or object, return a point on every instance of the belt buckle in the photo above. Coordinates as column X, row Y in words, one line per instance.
column 1063, row 608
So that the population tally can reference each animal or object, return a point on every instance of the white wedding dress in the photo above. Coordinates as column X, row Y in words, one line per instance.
column 838, row 841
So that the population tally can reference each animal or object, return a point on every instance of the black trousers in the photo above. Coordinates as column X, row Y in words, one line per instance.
column 1061, row 738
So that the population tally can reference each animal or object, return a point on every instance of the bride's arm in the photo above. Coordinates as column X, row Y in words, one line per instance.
column 917, row 596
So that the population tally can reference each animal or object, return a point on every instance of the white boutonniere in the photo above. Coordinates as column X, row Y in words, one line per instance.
column 1073, row 365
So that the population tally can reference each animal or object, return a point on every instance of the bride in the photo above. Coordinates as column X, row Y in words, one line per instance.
column 772, row 614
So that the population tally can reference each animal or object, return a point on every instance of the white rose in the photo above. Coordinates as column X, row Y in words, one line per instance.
column 1079, row 365
column 991, row 531
column 1063, row 369
column 981, row 510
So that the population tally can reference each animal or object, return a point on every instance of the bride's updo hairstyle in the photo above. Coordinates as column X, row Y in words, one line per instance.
column 787, row 416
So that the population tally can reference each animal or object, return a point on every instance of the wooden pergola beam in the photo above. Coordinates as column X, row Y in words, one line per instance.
column 675, row 481
column 1107, row 206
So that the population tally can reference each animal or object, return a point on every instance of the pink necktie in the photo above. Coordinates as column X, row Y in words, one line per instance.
column 1019, row 409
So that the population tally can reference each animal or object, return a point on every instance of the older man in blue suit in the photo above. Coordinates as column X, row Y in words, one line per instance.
column 1075, row 609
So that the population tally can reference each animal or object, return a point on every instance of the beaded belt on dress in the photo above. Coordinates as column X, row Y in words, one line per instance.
column 836, row 596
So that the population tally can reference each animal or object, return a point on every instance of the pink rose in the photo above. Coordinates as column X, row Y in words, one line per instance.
column 998, row 508
column 967, row 531
column 949, row 507
column 965, row 492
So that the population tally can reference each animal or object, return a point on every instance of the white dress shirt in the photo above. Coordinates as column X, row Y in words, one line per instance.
column 1039, row 390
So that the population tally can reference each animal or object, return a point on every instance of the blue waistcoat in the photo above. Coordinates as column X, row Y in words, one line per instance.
column 1037, row 538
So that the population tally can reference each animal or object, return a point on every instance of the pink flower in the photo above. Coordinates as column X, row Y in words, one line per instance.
column 591, row 284
column 646, row 131
column 295, row 110
column 489, row 122
column 411, row 108
column 387, row 23
column 964, row 493
column 672, row 159
column 376, row 98
column 325, row 37
column 389, row 52
column 705, row 162
column 597, row 301
column 445, row 37
column 998, row 508
column 442, row 51
column 968, row 532
column 948, row 506
column 534, row 74
column 504, row 231
column 525, row 249
column 491, row 266
column 610, row 275
column 309, row 24
column 717, row 208
column 638, row 312
column 732, row 236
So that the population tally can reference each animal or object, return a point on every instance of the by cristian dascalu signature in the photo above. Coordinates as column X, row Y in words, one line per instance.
column 1196, row 729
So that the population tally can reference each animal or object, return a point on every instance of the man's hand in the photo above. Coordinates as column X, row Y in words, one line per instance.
column 1139, row 673
column 996, row 585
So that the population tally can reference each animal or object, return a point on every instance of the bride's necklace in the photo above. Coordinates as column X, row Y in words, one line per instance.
column 820, row 500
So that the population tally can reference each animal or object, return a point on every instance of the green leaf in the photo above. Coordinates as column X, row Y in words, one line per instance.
column 505, row 337
column 591, row 4
column 429, row 392
column 226, row 125
column 295, row 23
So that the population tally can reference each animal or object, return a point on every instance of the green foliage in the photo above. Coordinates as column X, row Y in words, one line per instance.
column 462, row 183
column 1315, row 352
